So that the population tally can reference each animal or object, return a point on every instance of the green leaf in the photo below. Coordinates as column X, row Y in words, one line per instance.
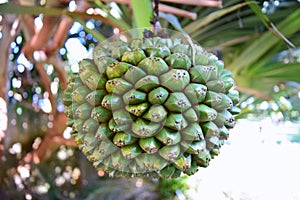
column 265, row 43
column 173, row 20
column 267, row 22
column 198, row 24
column 142, row 13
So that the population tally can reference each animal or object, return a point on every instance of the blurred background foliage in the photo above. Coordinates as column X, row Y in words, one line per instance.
column 259, row 42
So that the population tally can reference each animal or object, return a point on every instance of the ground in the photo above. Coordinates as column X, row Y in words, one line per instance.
column 257, row 163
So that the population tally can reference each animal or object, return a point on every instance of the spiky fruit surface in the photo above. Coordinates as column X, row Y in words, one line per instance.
column 151, row 107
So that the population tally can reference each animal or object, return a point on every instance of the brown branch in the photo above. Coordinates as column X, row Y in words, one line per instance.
column 254, row 92
column 164, row 8
column 206, row 3
column 233, row 42
column 177, row 11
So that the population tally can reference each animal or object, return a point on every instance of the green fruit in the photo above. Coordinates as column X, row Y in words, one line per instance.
column 203, row 74
column 147, row 83
column 122, row 139
column 80, row 93
column 158, row 96
column 195, row 92
column 134, row 97
column 168, row 137
column 95, row 97
column 149, row 145
column 179, row 61
column 84, row 111
column 138, row 109
column 170, row 153
column 117, row 69
column 154, row 107
column 177, row 102
column 193, row 132
column 175, row 79
column 156, row 113
column 134, row 56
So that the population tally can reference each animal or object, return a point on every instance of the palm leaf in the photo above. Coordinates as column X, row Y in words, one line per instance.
column 265, row 43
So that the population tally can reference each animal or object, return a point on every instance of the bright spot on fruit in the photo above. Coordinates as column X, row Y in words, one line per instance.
column 75, row 68
column 45, row 105
column 36, row 143
column 54, row 87
column 116, row 31
column 25, row 125
column 90, row 25
column 18, row 97
column 275, row 107
column 50, row 69
column 62, row 154
column 28, row 196
column 20, row 68
column 76, row 51
column 23, row 60
column 13, row 45
column 62, row 51
column 38, row 90
column 39, row 56
column 115, row 11
column 50, row 125
column 38, row 23
column 19, row 111
column 72, row 6
column 264, row 105
column 43, row 189
column 67, row 133
column 76, row 173
column 24, row 172
column 74, row 29
column 90, row 11
column 16, row 148
column 101, row 173
column 139, row 183
column 276, row 88
column 16, row 83
column 100, row 12
column 19, row 40
column 10, row 93
column 60, row 180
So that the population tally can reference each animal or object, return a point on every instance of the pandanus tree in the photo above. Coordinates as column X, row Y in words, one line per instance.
column 38, row 155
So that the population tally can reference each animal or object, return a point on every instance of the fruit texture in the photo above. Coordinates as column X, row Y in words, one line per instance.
column 154, row 107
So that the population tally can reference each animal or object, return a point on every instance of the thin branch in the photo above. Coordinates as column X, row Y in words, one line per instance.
column 254, row 92
column 165, row 8
column 233, row 42
column 177, row 11
column 206, row 3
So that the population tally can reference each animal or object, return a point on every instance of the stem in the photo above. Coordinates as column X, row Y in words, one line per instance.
column 142, row 14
